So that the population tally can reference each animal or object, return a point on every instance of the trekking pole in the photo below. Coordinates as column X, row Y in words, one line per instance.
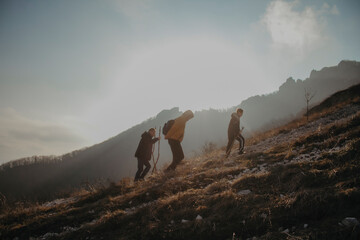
column 158, row 156
column 152, row 152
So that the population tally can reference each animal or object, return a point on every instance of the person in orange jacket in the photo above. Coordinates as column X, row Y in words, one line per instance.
column 175, row 135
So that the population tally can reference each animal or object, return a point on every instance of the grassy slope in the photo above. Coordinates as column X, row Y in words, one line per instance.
column 302, row 173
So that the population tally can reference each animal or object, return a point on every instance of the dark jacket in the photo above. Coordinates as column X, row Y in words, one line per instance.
column 234, row 125
column 144, row 148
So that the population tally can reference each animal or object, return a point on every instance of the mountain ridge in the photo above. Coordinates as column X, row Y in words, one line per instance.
column 113, row 158
column 297, row 181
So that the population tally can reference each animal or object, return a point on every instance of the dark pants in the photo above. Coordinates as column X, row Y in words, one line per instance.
column 177, row 152
column 140, row 174
column 232, row 138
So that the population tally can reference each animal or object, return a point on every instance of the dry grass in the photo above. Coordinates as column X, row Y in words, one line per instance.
column 319, row 193
column 257, row 137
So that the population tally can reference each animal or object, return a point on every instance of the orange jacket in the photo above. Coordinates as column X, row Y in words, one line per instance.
column 177, row 130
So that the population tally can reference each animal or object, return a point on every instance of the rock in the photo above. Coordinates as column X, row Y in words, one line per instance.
column 350, row 222
column 306, row 226
column 286, row 231
column 69, row 229
column 184, row 221
column 93, row 221
column 199, row 218
column 244, row 192
column 49, row 235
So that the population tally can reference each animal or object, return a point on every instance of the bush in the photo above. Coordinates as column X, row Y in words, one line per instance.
column 208, row 147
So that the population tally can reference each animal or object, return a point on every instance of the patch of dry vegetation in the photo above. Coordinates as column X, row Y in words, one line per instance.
column 282, row 195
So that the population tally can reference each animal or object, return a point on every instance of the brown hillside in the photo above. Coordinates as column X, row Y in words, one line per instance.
column 300, row 181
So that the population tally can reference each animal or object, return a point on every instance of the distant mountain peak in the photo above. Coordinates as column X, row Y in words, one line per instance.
column 168, row 112
column 114, row 158
column 347, row 63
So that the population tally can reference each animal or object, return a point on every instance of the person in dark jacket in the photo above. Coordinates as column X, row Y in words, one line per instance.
column 234, row 132
column 143, row 153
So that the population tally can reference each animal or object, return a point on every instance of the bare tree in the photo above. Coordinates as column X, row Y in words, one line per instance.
column 308, row 97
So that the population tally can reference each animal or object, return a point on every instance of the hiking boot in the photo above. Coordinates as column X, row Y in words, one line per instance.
column 169, row 169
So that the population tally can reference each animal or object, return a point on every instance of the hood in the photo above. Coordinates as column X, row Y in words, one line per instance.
column 234, row 115
column 145, row 134
column 187, row 115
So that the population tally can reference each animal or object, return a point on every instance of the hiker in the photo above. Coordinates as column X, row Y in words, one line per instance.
column 175, row 135
column 234, row 132
column 143, row 153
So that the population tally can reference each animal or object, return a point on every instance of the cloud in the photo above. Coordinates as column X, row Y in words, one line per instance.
column 290, row 28
column 22, row 137
column 334, row 10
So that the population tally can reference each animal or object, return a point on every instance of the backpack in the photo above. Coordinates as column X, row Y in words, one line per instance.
column 167, row 126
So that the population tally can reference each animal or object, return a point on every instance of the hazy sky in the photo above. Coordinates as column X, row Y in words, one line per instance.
column 75, row 73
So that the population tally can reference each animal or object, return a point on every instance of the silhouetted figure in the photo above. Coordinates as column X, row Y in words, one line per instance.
column 143, row 153
column 175, row 135
column 234, row 132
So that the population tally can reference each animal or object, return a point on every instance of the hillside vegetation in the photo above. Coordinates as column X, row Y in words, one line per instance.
column 43, row 178
column 299, row 181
